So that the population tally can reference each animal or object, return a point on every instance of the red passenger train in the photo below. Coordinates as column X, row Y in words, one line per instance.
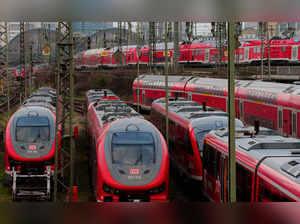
column 268, row 166
column 129, row 157
column 275, row 105
column 196, row 53
column 30, row 146
column 189, row 122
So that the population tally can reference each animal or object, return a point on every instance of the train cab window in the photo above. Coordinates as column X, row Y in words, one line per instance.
column 243, row 184
column 133, row 148
column 200, row 138
column 32, row 129
column 267, row 193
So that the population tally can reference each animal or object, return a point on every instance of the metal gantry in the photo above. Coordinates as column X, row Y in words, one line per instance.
column 264, row 35
column 23, row 59
column 3, row 58
column 65, row 105
column 152, row 44
column 176, row 47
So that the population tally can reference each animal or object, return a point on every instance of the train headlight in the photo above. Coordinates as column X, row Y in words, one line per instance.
column 158, row 189
column 110, row 190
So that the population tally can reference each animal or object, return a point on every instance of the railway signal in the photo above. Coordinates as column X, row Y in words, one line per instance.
column 89, row 43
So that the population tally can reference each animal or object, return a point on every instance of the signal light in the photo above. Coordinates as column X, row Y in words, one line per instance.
column 88, row 43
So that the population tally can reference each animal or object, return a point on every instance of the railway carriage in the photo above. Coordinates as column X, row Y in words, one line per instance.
column 267, row 166
column 129, row 157
column 275, row 105
column 30, row 147
column 189, row 122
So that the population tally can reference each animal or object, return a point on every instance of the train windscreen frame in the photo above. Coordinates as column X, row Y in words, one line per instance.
column 133, row 148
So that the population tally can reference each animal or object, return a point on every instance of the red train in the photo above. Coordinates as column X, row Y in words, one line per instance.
column 19, row 73
column 203, row 53
column 274, row 105
column 129, row 156
column 189, row 122
column 30, row 146
column 268, row 166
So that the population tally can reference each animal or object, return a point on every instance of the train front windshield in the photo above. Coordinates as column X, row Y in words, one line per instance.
column 32, row 130
column 133, row 149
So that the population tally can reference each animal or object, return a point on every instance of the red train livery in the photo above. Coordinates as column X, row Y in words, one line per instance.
column 30, row 146
column 129, row 157
column 201, row 53
column 268, row 166
column 189, row 122
column 275, row 105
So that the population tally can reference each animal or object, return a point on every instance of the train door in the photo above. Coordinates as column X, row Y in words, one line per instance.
column 241, row 110
column 280, row 121
column 206, row 56
column 294, row 123
column 294, row 53
column 143, row 97
column 246, row 59
column 287, row 121
column 190, row 96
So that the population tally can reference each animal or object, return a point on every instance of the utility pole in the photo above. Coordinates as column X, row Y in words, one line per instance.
column 31, row 69
column 138, row 65
column 231, row 113
column 268, row 50
column 166, row 82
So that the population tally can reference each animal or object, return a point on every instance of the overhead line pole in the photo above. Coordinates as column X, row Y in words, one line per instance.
column 166, row 83
column 231, row 113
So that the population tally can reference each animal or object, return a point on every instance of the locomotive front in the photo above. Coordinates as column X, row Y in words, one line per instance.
column 30, row 147
column 136, row 162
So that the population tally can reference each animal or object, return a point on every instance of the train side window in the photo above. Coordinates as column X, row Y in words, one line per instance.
column 268, row 193
column 294, row 125
column 280, row 119
column 243, row 183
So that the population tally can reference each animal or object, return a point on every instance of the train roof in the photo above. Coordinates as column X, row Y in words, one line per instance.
column 189, row 109
column 283, row 153
column 161, row 78
column 108, row 110
column 272, row 87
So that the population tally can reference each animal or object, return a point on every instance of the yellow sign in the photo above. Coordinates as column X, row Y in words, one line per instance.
column 46, row 50
column 169, row 53
column 226, row 53
column 103, row 53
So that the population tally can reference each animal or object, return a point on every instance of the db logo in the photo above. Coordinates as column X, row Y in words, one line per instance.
column 134, row 171
column 32, row 147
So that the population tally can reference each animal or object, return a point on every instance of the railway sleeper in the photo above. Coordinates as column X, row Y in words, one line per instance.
column 31, row 186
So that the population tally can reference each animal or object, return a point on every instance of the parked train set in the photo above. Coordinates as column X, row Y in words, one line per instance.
column 30, row 146
column 275, row 105
column 129, row 158
column 203, row 53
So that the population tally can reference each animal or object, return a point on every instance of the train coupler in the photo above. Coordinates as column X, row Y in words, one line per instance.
column 31, row 186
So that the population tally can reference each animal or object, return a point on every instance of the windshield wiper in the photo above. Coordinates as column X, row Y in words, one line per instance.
column 140, row 159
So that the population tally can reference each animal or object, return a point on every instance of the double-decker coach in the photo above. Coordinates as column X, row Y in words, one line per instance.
column 267, row 166
column 152, row 87
column 189, row 122
column 274, row 105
